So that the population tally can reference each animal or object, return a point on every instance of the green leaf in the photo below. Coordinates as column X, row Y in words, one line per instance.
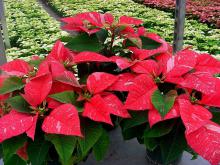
column 173, row 145
column 92, row 132
column 65, row 97
column 216, row 116
column 101, row 146
column 133, row 42
column 19, row 104
column 84, row 42
column 35, row 63
column 15, row 160
column 64, row 145
column 11, row 84
column 133, row 132
column 119, row 29
column 149, row 44
column 11, row 146
column 150, row 143
column 163, row 103
column 137, row 118
column 143, row 43
column 159, row 129
column 1, row 151
column 37, row 151
column 102, row 35
column 79, row 108
column 66, row 38
column 193, row 153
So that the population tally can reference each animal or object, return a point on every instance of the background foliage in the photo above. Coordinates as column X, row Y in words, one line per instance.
column 197, row 34
column 205, row 10
column 31, row 29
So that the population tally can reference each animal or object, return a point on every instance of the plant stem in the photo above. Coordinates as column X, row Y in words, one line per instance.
column 112, row 41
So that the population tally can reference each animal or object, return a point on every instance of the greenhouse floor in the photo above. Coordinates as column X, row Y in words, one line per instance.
column 131, row 153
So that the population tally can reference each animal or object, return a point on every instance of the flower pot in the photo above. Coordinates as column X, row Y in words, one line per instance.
column 155, row 158
column 53, row 163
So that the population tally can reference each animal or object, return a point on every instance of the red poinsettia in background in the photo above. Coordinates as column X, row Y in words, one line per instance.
column 112, row 68
column 206, row 10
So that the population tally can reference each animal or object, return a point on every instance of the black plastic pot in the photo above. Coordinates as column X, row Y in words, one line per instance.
column 155, row 158
column 53, row 163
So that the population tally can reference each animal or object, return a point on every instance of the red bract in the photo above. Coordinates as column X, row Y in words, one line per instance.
column 16, row 68
column 193, row 116
column 124, row 81
column 200, row 81
column 147, row 67
column 5, row 96
column 115, row 106
column 89, row 22
column 31, row 131
column 55, row 68
column 92, row 22
column 14, row 124
column 155, row 117
column 58, row 72
column 102, row 104
column 129, row 21
column 206, row 142
column 97, row 110
column 35, row 58
column 212, row 99
column 53, row 103
column 206, row 63
column 127, row 31
column 57, row 87
column 162, row 61
column 1, row 112
column 139, row 97
column 132, row 33
column 188, row 70
column 22, row 152
column 36, row 91
column 144, row 53
column 50, row 66
column 89, row 57
column 122, row 63
column 44, row 68
column 179, row 65
column 63, row 120
column 141, row 31
column 61, row 53
column 137, row 63
column 99, row 81
column 68, row 78
column 40, row 86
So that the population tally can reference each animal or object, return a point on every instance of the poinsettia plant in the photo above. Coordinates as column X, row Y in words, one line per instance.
column 57, row 108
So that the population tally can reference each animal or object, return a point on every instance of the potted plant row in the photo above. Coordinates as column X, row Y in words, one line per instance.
column 55, row 110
